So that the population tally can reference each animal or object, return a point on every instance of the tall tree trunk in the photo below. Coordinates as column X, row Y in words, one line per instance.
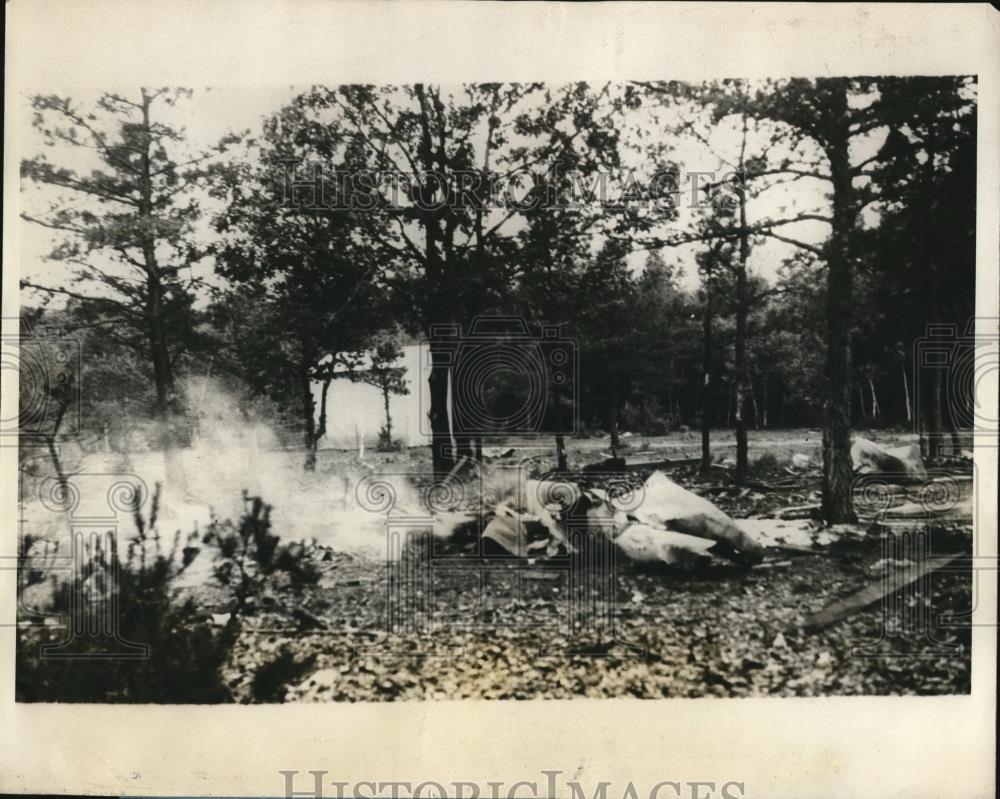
column 922, row 430
column 309, row 437
column 875, row 409
column 557, row 400
column 906, row 393
column 321, row 425
column 464, row 443
column 439, row 313
column 163, row 377
column 742, row 464
column 936, row 430
column 838, row 470
column 707, row 387
column 613, row 420
column 388, row 418
column 764, row 406
column 562, row 463
column 50, row 442
column 166, row 408
column 442, row 452
column 956, row 435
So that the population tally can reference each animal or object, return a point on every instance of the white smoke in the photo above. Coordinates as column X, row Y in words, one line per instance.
column 232, row 454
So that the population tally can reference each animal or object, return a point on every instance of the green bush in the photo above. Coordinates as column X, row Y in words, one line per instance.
column 250, row 552
column 186, row 652
column 271, row 679
column 766, row 462
column 185, row 655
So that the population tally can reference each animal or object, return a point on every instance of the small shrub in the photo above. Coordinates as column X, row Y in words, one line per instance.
column 766, row 462
column 185, row 654
column 250, row 552
column 386, row 443
column 295, row 559
column 271, row 679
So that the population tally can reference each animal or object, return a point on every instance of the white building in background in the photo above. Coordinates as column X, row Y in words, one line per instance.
column 355, row 411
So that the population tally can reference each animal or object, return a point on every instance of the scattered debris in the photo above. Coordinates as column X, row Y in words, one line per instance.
column 889, row 582
column 307, row 620
column 508, row 533
column 608, row 465
column 603, row 516
column 448, row 523
column 670, row 523
column 956, row 508
column 662, row 463
column 801, row 461
column 668, row 505
column 907, row 510
column 904, row 463
column 547, row 502
column 797, row 535
column 644, row 543
column 541, row 575
column 797, row 512
column 890, row 563
column 498, row 452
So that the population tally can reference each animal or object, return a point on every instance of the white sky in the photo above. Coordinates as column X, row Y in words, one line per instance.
column 210, row 113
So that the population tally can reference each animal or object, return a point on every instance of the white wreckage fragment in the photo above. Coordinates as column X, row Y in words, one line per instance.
column 668, row 505
column 447, row 523
column 801, row 461
column 668, row 524
column 798, row 534
column 903, row 462
column 509, row 533
column 644, row 543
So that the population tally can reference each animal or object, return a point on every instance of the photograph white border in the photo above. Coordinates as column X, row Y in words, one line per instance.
column 827, row 747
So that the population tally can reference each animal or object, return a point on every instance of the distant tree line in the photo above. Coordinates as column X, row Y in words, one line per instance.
column 183, row 262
